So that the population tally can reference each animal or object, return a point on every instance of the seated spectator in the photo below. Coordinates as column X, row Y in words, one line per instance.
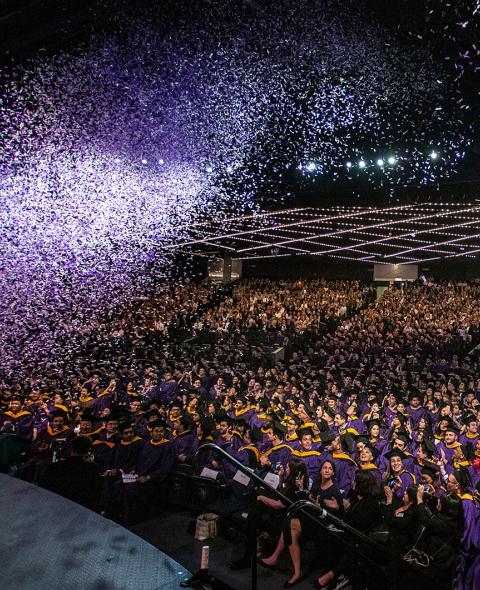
column 76, row 477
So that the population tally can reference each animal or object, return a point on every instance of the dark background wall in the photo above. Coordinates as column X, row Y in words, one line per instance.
column 307, row 267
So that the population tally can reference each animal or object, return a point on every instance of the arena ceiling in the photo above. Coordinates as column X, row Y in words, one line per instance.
column 406, row 234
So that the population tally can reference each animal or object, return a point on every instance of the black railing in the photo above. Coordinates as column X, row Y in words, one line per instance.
column 363, row 546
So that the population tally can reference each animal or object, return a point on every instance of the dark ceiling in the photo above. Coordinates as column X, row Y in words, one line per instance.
column 32, row 27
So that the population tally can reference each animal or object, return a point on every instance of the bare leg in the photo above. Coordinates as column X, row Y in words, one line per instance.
column 294, row 549
column 272, row 560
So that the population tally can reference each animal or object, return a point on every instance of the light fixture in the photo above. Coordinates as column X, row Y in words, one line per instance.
column 380, row 162
column 433, row 155
column 348, row 164
column 209, row 169
column 311, row 166
column 391, row 160
column 362, row 163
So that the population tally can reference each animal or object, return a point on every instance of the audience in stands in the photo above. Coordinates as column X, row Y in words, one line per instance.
column 374, row 405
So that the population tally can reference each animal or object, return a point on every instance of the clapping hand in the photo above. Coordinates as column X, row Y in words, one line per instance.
column 420, row 493
column 388, row 494
column 300, row 482
column 331, row 503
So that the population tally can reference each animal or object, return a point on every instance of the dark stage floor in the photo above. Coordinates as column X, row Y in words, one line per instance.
column 170, row 534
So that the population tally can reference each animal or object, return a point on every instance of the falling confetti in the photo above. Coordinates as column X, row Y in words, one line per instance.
column 115, row 149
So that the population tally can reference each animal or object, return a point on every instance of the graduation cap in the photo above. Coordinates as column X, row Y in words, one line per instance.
column 362, row 438
column 396, row 453
column 124, row 425
column 403, row 436
column 115, row 415
column 278, row 429
column 429, row 446
column 375, row 452
column 239, row 422
column 330, row 412
column 430, row 469
column 264, row 404
column 158, row 423
column 452, row 428
column 304, row 430
column 256, row 435
column 348, row 442
column 87, row 417
column 370, row 423
column 308, row 408
column 327, row 437
column 59, row 414
column 469, row 419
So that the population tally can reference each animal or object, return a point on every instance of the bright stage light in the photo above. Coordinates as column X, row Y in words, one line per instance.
column 380, row 162
column 433, row 155
column 209, row 169
column 362, row 163
column 144, row 161
column 311, row 166
column 348, row 164
column 161, row 161
column 229, row 169
column 391, row 160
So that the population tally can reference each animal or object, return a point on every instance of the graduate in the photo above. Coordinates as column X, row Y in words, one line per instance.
column 17, row 421
column 309, row 455
column 58, row 436
column 126, row 451
column 183, row 439
column 446, row 447
column 470, row 434
column 367, row 458
column 155, row 461
column 279, row 453
column 396, row 476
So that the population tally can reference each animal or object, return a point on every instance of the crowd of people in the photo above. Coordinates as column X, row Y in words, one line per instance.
column 372, row 414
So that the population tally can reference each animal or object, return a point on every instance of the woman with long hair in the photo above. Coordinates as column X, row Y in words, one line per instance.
column 362, row 513
column 396, row 476
column 267, row 513
column 327, row 496
column 440, row 541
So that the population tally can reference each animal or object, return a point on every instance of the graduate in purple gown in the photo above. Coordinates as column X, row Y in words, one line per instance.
column 127, row 450
column 17, row 421
column 103, row 401
column 155, row 462
column 446, row 447
column 309, row 455
column 184, row 440
column 39, row 410
column 415, row 410
column 397, row 477
column 460, row 485
column 167, row 390
column 279, row 453
column 471, row 434
column 58, row 436
column 367, row 458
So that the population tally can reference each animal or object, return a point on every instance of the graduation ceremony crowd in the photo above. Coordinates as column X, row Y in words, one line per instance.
column 372, row 414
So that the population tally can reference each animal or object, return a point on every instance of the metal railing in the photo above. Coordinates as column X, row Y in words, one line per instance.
column 355, row 539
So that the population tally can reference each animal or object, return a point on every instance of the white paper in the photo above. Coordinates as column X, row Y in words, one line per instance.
column 241, row 478
column 272, row 479
column 129, row 477
column 210, row 473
